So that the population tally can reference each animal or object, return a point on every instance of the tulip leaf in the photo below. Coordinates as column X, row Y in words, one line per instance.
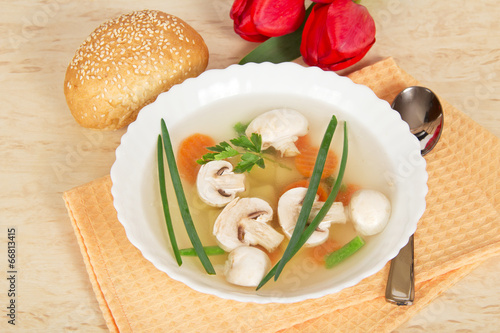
column 278, row 49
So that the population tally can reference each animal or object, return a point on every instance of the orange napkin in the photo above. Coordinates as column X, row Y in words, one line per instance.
column 458, row 231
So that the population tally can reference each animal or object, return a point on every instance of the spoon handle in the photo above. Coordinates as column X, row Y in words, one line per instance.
column 400, row 287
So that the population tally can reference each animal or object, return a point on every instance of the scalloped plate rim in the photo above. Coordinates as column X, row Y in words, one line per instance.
column 247, row 71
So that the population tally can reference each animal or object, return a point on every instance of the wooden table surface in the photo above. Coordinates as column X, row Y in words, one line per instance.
column 453, row 47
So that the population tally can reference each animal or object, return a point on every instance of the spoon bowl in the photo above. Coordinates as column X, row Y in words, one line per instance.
column 421, row 109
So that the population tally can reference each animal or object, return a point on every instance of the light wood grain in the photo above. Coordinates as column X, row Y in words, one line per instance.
column 450, row 46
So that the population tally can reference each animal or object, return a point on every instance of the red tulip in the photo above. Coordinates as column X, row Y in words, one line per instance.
column 257, row 20
column 337, row 34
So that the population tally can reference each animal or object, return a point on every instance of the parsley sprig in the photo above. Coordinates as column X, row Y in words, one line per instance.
column 249, row 150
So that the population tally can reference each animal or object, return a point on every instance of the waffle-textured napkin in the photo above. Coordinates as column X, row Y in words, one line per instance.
column 459, row 230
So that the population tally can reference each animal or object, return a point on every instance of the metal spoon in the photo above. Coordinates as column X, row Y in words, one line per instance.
column 423, row 112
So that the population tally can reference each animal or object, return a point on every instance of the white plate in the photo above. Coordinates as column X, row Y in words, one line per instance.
column 385, row 146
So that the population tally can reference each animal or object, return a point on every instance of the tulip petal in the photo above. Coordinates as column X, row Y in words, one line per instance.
column 341, row 34
column 237, row 8
column 243, row 22
column 355, row 27
column 278, row 17
column 314, row 29
column 350, row 61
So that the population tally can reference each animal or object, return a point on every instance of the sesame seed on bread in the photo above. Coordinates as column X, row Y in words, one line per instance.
column 126, row 63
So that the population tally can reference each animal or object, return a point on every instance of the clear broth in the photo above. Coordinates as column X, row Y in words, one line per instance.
column 364, row 167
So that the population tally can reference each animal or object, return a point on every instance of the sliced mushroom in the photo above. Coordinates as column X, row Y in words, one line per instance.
column 246, row 266
column 369, row 211
column 217, row 184
column 289, row 206
column 280, row 128
column 244, row 221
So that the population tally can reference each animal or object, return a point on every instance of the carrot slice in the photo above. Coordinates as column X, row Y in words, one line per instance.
column 274, row 256
column 346, row 193
column 319, row 252
column 304, row 162
column 322, row 192
column 303, row 142
column 190, row 150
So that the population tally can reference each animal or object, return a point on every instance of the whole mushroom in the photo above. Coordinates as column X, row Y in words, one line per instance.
column 289, row 206
column 216, row 183
column 280, row 128
column 246, row 266
column 244, row 221
column 369, row 211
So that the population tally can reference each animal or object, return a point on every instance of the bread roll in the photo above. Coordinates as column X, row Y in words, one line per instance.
column 126, row 62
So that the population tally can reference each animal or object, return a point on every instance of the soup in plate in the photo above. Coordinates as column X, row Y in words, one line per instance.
column 246, row 181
